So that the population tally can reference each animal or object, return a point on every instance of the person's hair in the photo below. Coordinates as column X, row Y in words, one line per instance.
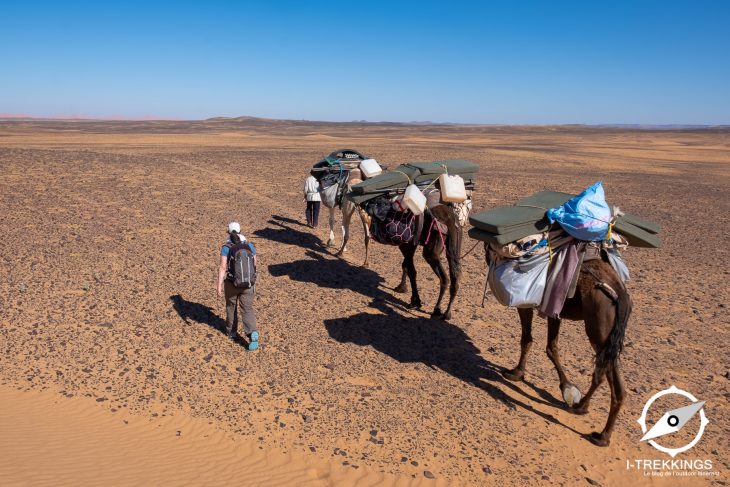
column 235, row 237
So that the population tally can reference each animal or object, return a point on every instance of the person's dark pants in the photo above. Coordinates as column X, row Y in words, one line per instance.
column 243, row 298
column 313, row 213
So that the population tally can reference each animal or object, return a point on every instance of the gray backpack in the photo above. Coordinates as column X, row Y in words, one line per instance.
column 241, row 266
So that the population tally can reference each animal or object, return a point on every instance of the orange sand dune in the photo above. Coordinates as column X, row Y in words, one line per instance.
column 51, row 440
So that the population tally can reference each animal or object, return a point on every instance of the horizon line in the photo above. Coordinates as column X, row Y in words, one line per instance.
column 155, row 118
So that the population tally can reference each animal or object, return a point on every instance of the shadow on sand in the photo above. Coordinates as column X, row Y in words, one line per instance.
column 437, row 344
column 407, row 337
column 404, row 336
column 335, row 273
column 282, row 233
column 191, row 311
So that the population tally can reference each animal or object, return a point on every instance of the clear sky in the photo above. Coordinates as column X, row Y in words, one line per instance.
column 508, row 61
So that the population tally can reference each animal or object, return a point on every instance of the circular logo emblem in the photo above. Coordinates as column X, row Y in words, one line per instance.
column 673, row 421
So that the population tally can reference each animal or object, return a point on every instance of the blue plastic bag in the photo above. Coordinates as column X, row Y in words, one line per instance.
column 586, row 216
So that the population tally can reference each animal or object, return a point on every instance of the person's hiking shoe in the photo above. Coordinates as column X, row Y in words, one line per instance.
column 253, row 342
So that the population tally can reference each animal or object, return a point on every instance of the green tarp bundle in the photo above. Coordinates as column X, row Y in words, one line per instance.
column 527, row 217
column 420, row 173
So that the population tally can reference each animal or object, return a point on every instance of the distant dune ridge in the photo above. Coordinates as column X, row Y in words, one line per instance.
column 264, row 120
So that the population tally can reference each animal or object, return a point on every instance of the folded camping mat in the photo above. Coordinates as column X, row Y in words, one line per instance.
column 636, row 237
column 359, row 198
column 453, row 166
column 418, row 172
column 553, row 199
column 510, row 223
column 501, row 239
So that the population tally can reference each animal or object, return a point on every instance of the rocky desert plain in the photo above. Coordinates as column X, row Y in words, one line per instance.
column 113, row 370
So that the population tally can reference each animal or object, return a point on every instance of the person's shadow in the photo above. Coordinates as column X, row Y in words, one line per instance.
column 191, row 311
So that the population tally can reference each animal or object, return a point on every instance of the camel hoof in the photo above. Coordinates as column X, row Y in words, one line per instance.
column 330, row 243
column 571, row 395
column 365, row 265
column 415, row 305
column 598, row 439
column 514, row 375
column 578, row 410
column 437, row 313
column 401, row 289
column 446, row 316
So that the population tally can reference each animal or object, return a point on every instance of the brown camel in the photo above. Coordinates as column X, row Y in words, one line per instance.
column 433, row 242
column 603, row 303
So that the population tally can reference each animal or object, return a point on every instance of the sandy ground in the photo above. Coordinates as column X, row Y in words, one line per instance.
column 109, row 251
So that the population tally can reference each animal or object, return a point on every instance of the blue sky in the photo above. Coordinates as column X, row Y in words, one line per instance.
column 523, row 62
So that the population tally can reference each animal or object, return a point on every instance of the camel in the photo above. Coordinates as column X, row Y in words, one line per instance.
column 348, row 208
column 434, row 242
column 604, row 304
column 349, row 159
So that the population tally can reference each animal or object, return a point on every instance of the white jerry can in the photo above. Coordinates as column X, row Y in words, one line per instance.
column 452, row 189
column 370, row 168
column 414, row 199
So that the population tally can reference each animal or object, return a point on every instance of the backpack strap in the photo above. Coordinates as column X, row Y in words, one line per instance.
column 229, row 246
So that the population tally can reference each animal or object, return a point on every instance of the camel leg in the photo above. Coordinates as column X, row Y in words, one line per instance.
column 431, row 253
column 518, row 373
column 452, row 255
column 571, row 394
column 618, row 392
column 582, row 406
column 403, row 286
column 331, row 240
column 347, row 210
column 408, row 252
column 365, row 219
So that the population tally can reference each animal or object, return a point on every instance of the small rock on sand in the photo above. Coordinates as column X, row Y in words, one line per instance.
column 428, row 475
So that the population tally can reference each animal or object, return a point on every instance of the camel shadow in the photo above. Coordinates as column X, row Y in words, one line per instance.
column 286, row 219
column 337, row 274
column 439, row 345
column 282, row 233
column 191, row 311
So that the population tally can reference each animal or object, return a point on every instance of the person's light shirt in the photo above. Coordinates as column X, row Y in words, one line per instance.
column 311, row 189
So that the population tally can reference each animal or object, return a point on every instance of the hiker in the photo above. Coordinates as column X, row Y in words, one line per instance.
column 311, row 194
column 237, row 280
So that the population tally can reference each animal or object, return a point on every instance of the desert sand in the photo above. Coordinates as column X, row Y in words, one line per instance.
column 113, row 370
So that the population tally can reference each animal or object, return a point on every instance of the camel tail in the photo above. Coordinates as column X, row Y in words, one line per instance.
column 453, row 245
column 615, row 342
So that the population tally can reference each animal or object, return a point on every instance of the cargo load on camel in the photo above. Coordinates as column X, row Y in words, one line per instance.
column 394, row 200
column 529, row 216
column 336, row 169
column 535, row 248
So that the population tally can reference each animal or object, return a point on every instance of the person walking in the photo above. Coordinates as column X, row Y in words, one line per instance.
column 237, row 282
column 311, row 194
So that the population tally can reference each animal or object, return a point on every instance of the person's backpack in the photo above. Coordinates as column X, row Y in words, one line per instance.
column 241, row 266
